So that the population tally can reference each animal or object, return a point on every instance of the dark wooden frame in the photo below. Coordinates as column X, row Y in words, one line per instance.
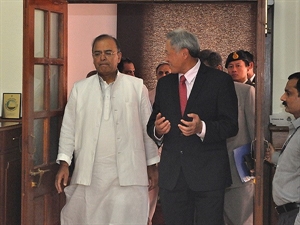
column 30, row 194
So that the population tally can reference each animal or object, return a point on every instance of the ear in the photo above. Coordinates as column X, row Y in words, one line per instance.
column 185, row 53
column 220, row 67
column 251, row 64
column 119, row 56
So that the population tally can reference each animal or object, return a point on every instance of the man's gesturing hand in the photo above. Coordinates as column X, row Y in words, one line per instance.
column 162, row 126
column 191, row 127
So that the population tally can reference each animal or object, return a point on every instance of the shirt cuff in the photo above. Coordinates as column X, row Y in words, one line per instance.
column 203, row 132
column 159, row 141
column 63, row 157
column 153, row 161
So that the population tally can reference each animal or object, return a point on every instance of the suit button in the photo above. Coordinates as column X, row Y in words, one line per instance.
column 181, row 152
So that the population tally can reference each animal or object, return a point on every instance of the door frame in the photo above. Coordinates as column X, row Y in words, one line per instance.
column 41, row 196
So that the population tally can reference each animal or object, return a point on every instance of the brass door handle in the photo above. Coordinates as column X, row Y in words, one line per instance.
column 40, row 173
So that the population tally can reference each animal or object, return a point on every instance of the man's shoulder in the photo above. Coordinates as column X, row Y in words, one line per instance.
column 130, row 83
column 214, row 75
column 86, row 81
column 243, row 87
column 209, row 70
column 169, row 77
column 130, row 79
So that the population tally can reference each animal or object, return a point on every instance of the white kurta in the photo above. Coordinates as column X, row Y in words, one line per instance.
column 105, row 202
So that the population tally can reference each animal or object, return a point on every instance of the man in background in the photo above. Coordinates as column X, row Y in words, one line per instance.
column 203, row 54
column 237, row 66
column 126, row 66
column 161, row 70
column 250, row 74
column 213, row 59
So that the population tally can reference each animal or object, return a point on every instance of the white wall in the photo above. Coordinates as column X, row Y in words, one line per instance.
column 286, row 46
column 11, row 47
column 85, row 22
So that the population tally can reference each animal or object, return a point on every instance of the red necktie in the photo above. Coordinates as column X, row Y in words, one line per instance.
column 182, row 93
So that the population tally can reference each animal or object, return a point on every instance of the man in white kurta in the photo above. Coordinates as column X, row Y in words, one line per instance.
column 105, row 126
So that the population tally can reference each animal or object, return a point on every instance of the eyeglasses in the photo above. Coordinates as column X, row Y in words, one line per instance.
column 106, row 53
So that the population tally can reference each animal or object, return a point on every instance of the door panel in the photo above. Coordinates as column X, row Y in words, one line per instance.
column 44, row 98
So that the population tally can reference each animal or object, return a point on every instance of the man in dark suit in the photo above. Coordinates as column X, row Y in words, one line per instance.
column 251, row 75
column 194, row 168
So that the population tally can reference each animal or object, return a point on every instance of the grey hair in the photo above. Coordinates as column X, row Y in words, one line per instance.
column 181, row 38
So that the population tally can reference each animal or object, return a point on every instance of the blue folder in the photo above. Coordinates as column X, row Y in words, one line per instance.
column 242, row 169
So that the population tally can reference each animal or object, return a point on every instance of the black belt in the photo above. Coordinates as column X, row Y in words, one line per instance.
column 287, row 207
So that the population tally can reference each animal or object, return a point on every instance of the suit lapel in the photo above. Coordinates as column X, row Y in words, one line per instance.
column 175, row 93
column 199, row 81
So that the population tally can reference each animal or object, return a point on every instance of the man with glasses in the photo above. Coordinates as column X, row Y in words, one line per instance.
column 162, row 70
column 113, row 168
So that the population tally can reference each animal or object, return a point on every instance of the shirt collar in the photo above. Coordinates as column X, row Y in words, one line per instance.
column 192, row 73
column 296, row 122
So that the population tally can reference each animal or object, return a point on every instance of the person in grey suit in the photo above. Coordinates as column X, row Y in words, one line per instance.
column 238, row 206
column 240, row 195
column 194, row 169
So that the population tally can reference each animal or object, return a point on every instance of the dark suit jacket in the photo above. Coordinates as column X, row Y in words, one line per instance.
column 204, row 163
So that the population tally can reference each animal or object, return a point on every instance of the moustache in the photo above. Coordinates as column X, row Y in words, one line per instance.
column 284, row 103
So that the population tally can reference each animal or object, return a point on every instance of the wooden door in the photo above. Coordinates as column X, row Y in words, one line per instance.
column 44, row 98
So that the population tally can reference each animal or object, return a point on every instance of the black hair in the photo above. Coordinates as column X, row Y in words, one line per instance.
column 296, row 76
column 203, row 54
column 213, row 60
column 122, row 62
column 105, row 36
column 160, row 64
